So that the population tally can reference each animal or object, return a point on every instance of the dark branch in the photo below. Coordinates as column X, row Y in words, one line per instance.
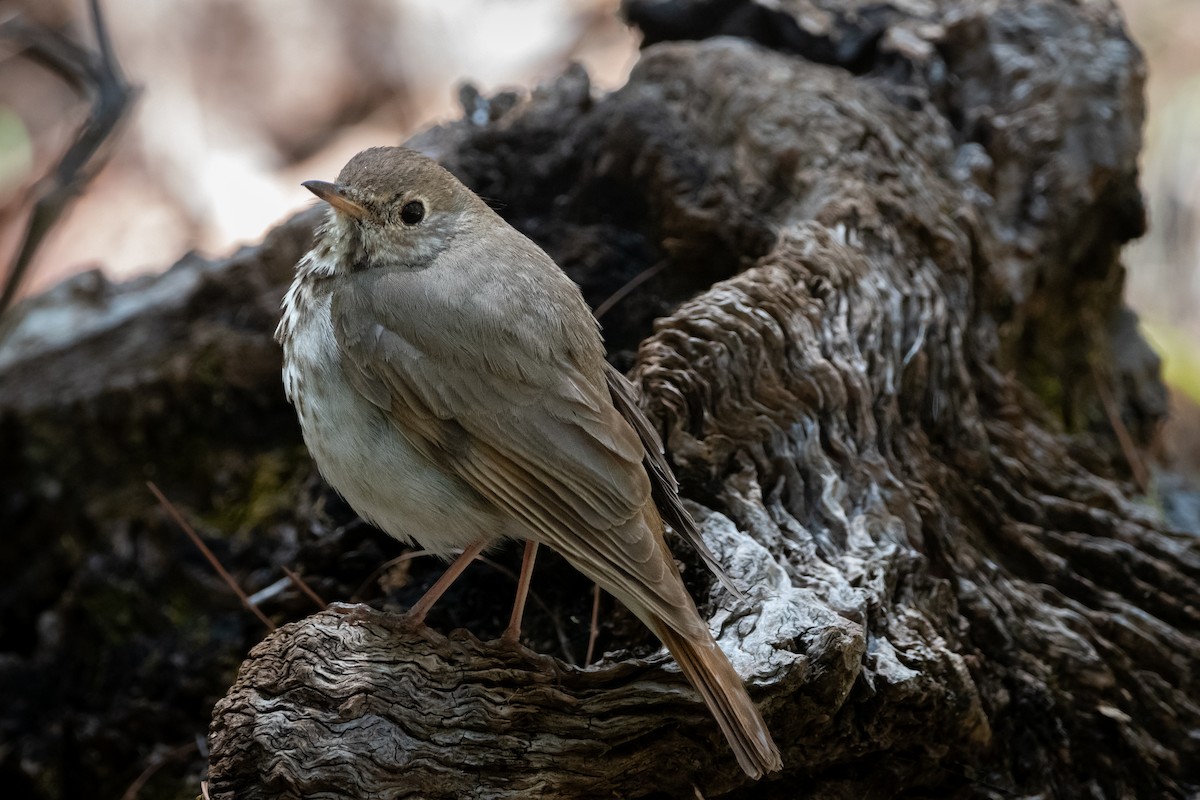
column 93, row 74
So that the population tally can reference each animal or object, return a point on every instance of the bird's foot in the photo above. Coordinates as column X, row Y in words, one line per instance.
column 412, row 621
column 511, row 638
column 352, row 613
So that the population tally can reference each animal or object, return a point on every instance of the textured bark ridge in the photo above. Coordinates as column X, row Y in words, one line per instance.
column 885, row 344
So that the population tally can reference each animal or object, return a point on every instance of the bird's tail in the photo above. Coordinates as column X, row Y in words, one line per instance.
column 711, row 674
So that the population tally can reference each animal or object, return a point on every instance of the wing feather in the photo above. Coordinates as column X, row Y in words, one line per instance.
column 665, row 488
column 530, row 426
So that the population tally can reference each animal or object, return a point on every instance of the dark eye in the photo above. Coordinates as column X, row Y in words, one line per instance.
column 413, row 212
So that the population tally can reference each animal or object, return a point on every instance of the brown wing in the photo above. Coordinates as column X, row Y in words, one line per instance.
column 517, row 416
column 664, row 487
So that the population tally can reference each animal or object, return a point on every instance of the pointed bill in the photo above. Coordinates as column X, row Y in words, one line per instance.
column 336, row 196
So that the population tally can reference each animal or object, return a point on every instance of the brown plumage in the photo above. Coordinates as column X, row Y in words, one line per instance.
column 451, row 384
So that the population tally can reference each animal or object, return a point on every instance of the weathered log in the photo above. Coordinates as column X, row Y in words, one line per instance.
column 933, row 576
column 880, row 347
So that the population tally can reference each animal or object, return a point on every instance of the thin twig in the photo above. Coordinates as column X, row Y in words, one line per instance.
column 384, row 567
column 95, row 74
column 1141, row 475
column 304, row 587
column 630, row 285
column 154, row 766
column 212, row 559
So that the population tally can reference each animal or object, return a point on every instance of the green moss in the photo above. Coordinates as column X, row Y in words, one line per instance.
column 16, row 151
column 1180, row 353
column 272, row 482
column 1048, row 387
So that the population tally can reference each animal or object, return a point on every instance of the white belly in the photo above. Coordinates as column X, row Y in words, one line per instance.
column 362, row 455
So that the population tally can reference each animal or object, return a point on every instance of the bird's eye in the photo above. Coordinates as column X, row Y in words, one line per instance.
column 413, row 212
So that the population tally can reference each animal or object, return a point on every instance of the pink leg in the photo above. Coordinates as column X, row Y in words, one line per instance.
column 416, row 614
column 594, row 630
column 512, row 634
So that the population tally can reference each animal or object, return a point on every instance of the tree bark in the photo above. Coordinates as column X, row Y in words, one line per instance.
column 886, row 347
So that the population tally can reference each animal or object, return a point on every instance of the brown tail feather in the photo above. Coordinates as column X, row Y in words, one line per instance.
column 709, row 671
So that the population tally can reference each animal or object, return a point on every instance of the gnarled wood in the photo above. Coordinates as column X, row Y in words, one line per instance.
column 928, row 562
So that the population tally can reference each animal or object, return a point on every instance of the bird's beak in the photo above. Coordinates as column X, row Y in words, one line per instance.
column 336, row 196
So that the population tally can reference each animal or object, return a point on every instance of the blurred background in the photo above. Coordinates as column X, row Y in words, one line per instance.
column 238, row 106
column 1164, row 266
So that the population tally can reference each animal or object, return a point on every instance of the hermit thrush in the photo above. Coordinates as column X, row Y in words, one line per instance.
column 451, row 384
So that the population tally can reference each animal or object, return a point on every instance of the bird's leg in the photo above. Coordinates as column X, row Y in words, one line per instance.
column 512, row 634
column 416, row 614
column 594, row 629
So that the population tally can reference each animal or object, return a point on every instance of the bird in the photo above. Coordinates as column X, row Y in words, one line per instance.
column 451, row 384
